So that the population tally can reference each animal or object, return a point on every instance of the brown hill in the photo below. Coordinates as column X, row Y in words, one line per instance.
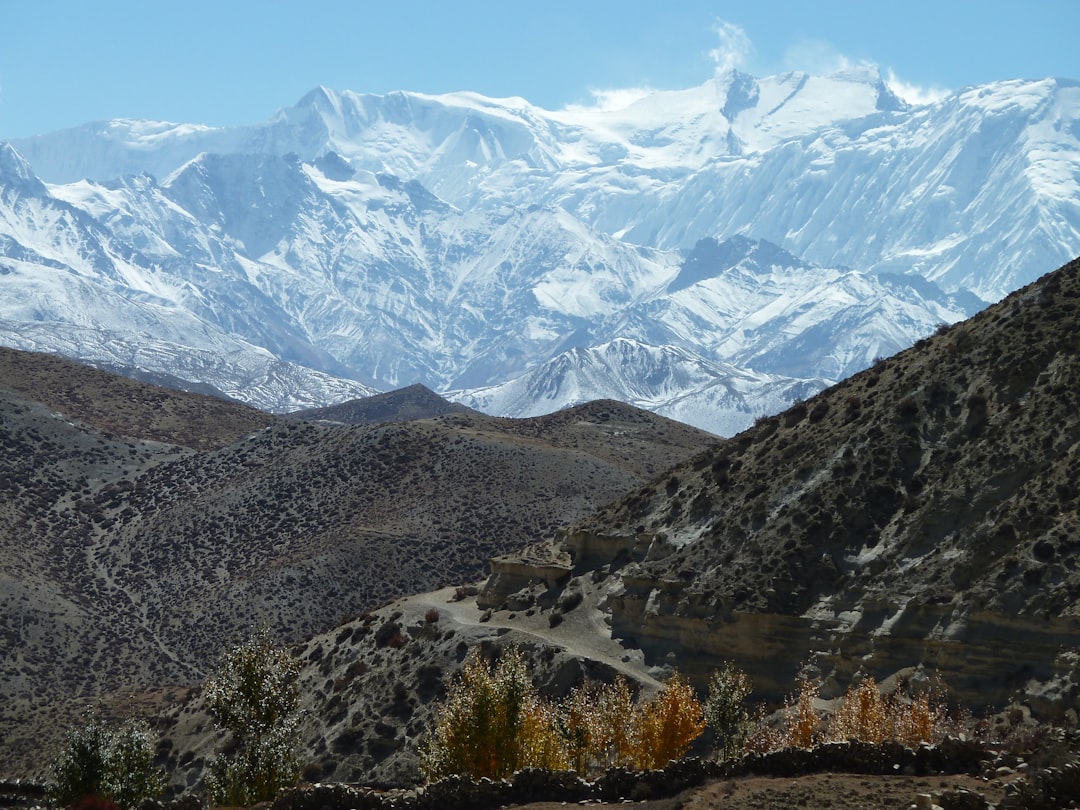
column 115, row 405
column 402, row 405
column 127, row 564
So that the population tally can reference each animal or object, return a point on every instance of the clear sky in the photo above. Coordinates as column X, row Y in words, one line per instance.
column 67, row 62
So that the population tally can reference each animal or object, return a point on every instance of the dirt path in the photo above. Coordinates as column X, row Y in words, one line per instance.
column 582, row 633
column 825, row 791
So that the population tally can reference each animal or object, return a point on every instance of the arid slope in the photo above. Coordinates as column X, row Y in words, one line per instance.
column 142, row 530
column 922, row 513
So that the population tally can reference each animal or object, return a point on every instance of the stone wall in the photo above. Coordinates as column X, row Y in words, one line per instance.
column 617, row 784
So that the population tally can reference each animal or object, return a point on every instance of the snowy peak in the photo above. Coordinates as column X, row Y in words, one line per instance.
column 979, row 191
column 785, row 230
column 16, row 173
column 668, row 380
column 253, row 198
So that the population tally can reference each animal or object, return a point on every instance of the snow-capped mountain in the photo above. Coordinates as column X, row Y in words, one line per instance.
column 691, row 251
column 671, row 381
column 978, row 191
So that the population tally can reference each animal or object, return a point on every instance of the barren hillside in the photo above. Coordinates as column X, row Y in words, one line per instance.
column 128, row 564
column 921, row 514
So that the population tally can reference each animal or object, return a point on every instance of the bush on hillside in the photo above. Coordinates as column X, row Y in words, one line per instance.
column 104, row 765
column 255, row 697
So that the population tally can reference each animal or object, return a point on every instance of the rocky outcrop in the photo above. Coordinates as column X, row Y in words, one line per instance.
column 590, row 548
column 984, row 657
column 545, row 566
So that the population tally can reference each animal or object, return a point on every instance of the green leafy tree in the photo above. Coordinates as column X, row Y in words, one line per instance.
column 130, row 775
column 79, row 769
column 725, row 709
column 113, row 764
column 255, row 697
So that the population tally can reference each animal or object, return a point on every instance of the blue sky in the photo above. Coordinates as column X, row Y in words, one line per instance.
column 67, row 62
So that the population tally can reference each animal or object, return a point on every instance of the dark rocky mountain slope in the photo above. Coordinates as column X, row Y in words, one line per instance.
column 921, row 514
column 116, row 405
column 402, row 405
column 143, row 530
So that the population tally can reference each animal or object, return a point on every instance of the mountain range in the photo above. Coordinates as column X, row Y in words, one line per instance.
column 712, row 254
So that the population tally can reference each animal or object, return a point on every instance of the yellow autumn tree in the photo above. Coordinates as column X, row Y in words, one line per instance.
column 668, row 724
column 492, row 723
column 862, row 714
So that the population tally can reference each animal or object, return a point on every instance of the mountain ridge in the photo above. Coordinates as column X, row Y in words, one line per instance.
column 371, row 278
column 797, row 115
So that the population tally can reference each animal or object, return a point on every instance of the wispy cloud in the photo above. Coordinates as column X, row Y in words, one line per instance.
column 914, row 93
column 818, row 57
column 733, row 49
column 619, row 99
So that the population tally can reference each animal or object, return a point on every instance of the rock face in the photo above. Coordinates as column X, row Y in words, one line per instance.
column 546, row 565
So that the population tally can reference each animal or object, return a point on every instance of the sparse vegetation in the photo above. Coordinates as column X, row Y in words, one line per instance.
column 863, row 713
column 494, row 722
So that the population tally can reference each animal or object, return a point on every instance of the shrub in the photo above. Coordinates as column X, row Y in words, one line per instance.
column 725, row 710
column 803, row 718
column 918, row 721
column 861, row 715
column 762, row 735
column 130, row 775
column 254, row 697
column 79, row 770
column 599, row 725
column 864, row 714
column 100, row 766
